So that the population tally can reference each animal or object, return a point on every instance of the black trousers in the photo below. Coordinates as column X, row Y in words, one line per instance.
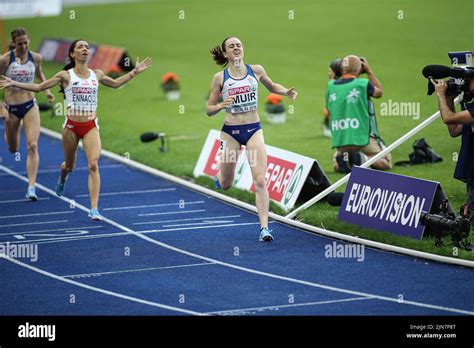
column 470, row 195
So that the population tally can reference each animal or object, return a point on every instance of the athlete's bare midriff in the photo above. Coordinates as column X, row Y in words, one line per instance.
column 241, row 118
column 17, row 96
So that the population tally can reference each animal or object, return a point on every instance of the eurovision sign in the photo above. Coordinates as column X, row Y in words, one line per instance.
column 387, row 202
column 286, row 175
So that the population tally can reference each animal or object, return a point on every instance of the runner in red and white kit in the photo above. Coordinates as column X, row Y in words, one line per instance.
column 238, row 85
column 80, row 85
column 22, row 65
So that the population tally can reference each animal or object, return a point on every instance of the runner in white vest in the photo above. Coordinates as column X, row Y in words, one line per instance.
column 80, row 86
column 238, row 84
column 22, row 65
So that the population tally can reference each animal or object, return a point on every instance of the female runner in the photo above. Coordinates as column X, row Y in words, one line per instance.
column 22, row 65
column 80, row 85
column 238, row 84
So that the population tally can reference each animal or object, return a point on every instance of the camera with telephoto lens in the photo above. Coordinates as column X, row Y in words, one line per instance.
column 446, row 223
column 460, row 75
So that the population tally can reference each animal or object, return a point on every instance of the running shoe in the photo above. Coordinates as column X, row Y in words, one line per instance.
column 265, row 235
column 60, row 187
column 95, row 215
column 31, row 194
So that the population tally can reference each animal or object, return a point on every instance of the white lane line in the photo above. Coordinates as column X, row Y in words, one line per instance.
column 304, row 304
column 248, row 270
column 210, row 222
column 98, row 274
column 131, row 192
column 174, row 212
column 103, row 291
column 154, row 205
column 35, row 223
column 190, row 219
column 23, row 200
column 53, row 229
column 57, row 169
column 37, row 214
column 121, row 234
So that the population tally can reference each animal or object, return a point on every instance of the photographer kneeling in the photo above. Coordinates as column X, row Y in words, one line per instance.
column 460, row 123
column 352, row 117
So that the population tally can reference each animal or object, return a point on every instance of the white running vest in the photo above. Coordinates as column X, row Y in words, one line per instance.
column 81, row 94
column 244, row 91
column 21, row 72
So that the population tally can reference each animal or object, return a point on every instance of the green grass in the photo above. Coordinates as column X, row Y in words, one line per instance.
column 295, row 52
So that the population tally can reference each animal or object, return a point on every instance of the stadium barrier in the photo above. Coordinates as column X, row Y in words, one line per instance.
column 367, row 164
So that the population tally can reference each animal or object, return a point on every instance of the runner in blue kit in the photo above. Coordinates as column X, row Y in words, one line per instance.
column 238, row 84
column 22, row 65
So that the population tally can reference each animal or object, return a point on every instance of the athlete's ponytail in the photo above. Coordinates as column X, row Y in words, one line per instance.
column 72, row 62
column 218, row 53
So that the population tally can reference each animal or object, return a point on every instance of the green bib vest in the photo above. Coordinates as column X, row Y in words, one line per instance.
column 349, row 114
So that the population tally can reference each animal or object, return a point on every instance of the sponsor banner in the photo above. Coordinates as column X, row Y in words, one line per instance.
column 285, row 176
column 387, row 202
column 106, row 58
column 10, row 9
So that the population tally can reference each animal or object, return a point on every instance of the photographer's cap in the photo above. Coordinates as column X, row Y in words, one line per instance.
column 461, row 59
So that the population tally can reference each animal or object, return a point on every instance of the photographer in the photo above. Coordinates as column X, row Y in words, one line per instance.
column 460, row 123
column 352, row 117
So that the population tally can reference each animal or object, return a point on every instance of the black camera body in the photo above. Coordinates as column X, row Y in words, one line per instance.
column 446, row 223
column 456, row 86
column 460, row 74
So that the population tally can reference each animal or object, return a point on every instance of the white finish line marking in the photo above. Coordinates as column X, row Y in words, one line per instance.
column 131, row 192
column 260, row 309
column 190, row 219
column 35, row 223
column 154, row 205
column 174, row 212
column 37, row 214
column 98, row 274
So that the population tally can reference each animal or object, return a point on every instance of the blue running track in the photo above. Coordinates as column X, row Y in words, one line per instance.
column 167, row 250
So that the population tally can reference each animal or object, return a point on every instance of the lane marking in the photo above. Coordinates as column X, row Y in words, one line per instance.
column 259, row 309
column 53, row 229
column 244, row 269
column 23, row 200
column 37, row 214
column 55, row 235
column 174, row 212
column 35, row 223
column 190, row 219
column 103, row 291
column 121, row 234
column 154, row 205
column 210, row 222
column 56, row 170
column 98, row 274
column 131, row 192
